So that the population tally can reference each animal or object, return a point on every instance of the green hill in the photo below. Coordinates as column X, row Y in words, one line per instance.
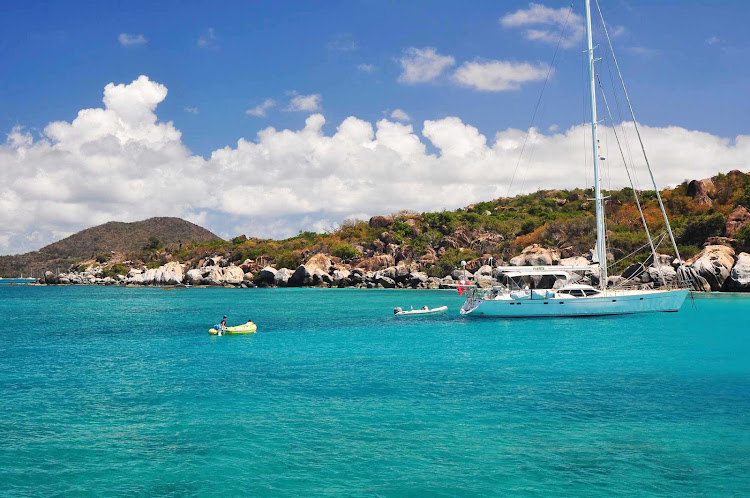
column 129, row 239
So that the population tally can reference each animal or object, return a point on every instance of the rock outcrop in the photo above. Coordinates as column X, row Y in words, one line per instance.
column 381, row 221
column 739, row 276
column 737, row 219
column 714, row 264
column 536, row 255
column 700, row 190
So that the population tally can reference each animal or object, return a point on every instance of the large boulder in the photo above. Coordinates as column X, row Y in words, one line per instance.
column 341, row 277
column 574, row 261
column 319, row 261
column 215, row 276
column 536, row 255
column 194, row 277
column 381, row 279
column 459, row 275
column 714, row 264
column 666, row 271
column 267, row 275
column 319, row 277
column 739, row 276
column 50, row 278
column 484, row 281
column 737, row 219
column 357, row 276
column 149, row 277
column 381, row 221
column 377, row 262
column 169, row 274
column 281, row 279
column 233, row 275
column 697, row 283
column 485, row 270
column 417, row 277
column 300, row 277
column 634, row 271
column 701, row 191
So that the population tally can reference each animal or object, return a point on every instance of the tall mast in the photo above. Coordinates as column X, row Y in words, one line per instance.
column 601, row 231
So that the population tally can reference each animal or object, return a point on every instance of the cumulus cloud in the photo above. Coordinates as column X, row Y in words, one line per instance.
column 307, row 103
column 537, row 20
column 400, row 115
column 260, row 109
column 119, row 162
column 420, row 65
column 497, row 76
column 366, row 68
column 127, row 40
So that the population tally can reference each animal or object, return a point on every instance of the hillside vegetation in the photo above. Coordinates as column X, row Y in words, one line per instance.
column 436, row 242
column 130, row 240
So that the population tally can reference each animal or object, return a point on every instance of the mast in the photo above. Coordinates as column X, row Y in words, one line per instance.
column 601, row 231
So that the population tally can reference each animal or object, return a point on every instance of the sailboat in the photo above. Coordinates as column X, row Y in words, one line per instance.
column 521, row 295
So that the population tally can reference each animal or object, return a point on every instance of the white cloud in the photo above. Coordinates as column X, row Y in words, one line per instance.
column 400, row 115
column 343, row 42
column 712, row 40
column 366, row 68
column 642, row 51
column 207, row 39
column 127, row 40
column 552, row 128
column 420, row 65
column 615, row 31
column 541, row 15
column 119, row 162
column 498, row 76
column 307, row 103
column 260, row 109
column 191, row 110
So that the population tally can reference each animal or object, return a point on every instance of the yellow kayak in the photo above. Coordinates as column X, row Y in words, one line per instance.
column 245, row 328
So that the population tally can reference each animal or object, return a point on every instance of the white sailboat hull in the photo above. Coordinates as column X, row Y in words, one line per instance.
column 611, row 303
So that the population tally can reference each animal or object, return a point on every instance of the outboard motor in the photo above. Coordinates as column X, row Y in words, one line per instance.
column 397, row 310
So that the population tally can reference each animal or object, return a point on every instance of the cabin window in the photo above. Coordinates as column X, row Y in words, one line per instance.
column 590, row 292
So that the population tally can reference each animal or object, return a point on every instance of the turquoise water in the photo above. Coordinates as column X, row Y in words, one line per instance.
column 122, row 391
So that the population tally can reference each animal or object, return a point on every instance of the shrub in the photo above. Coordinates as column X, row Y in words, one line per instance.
column 153, row 244
column 345, row 251
column 698, row 230
column 114, row 270
column 288, row 259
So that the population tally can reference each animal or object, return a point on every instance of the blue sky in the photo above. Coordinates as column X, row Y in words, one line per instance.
column 685, row 64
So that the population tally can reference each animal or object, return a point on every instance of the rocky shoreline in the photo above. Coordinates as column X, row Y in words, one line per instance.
column 715, row 268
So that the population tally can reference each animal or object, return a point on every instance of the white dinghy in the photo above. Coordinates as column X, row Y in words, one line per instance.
column 423, row 311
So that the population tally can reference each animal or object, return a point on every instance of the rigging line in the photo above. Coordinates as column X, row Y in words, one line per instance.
column 539, row 100
column 635, row 193
column 619, row 116
column 636, row 251
column 643, row 148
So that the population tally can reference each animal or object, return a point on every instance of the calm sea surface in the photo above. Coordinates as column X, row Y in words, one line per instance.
column 122, row 391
